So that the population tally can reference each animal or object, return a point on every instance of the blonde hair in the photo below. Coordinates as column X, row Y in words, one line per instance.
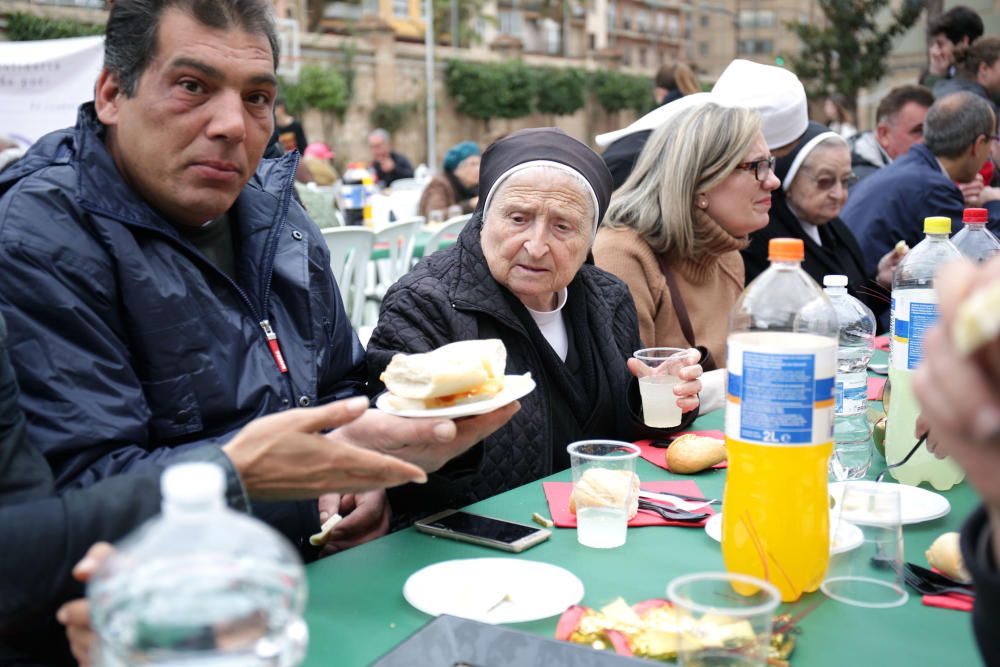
column 692, row 152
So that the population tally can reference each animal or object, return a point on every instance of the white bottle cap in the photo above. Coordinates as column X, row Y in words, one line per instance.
column 193, row 487
column 834, row 281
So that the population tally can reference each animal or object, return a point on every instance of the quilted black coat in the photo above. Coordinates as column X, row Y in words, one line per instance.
column 451, row 296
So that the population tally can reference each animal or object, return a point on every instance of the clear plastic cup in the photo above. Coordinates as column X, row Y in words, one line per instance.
column 719, row 626
column 656, row 384
column 870, row 575
column 605, row 470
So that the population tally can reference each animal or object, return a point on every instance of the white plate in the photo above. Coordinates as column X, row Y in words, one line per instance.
column 471, row 588
column 514, row 387
column 848, row 537
column 915, row 504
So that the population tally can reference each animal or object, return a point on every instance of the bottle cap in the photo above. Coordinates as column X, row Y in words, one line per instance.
column 834, row 281
column 786, row 250
column 197, row 486
column 975, row 215
column 937, row 225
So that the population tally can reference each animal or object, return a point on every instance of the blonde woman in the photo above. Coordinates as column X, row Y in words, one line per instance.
column 675, row 229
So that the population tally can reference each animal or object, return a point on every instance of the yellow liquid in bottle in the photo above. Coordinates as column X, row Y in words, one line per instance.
column 776, row 515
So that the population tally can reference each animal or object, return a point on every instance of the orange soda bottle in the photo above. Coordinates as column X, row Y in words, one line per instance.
column 781, row 366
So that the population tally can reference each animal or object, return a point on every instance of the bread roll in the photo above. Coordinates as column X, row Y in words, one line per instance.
column 692, row 453
column 978, row 319
column 453, row 373
column 945, row 556
column 600, row 487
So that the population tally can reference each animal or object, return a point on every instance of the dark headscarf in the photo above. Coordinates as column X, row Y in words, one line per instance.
column 544, row 143
column 804, row 146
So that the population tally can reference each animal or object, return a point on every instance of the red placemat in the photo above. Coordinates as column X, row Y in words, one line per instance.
column 557, row 494
column 882, row 343
column 658, row 455
column 875, row 388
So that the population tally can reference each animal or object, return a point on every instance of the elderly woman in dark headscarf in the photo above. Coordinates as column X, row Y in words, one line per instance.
column 518, row 273
column 815, row 177
column 457, row 185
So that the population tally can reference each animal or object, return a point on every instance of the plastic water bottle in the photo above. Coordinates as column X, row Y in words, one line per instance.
column 852, row 449
column 914, row 311
column 781, row 365
column 974, row 240
column 354, row 194
column 199, row 585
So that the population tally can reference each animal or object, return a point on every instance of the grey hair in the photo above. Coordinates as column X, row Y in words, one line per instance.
column 953, row 124
column 692, row 152
column 539, row 171
column 131, row 35
column 381, row 133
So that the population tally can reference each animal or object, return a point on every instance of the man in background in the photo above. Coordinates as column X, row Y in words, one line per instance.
column 890, row 205
column 899, row 124
column 389, row 165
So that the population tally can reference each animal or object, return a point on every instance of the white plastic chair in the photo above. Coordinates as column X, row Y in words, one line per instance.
column 401, row 184
column 405, row 203
column 401, row 237
column 350, row 252
column 449, row 228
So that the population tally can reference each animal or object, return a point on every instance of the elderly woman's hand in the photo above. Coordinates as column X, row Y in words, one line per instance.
column 690, row 374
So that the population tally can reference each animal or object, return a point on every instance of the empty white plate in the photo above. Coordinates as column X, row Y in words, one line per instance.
column 915, row 504
column 847, row 538
column 493, row 590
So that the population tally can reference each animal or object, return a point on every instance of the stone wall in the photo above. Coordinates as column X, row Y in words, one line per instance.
column 390, row 71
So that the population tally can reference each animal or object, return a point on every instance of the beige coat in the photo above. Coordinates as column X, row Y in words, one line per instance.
column 709, row 285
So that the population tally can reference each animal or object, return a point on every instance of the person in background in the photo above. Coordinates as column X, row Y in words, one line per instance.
column 675, row 228
column 838, row 117
column 959, row 395
column 518, row 272
column 899, row 123
column 673, row 82
column 814, row 182
column 773, row 91
column 318, row 157
column 387, row 163
column 977, row 70
column 959, row 26
column 889, row 206
column 288, row 130
column 457, row 185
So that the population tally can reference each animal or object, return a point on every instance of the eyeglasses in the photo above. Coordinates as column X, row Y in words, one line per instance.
column 759, row 168
column 827, row 182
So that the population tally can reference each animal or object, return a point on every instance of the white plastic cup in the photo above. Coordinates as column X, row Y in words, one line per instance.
column 604, row 526
column 656, row 384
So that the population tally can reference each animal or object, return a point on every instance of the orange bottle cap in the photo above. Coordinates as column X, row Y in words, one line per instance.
column 786, row 250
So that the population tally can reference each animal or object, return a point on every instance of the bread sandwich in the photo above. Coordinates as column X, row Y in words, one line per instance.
column 456, row 373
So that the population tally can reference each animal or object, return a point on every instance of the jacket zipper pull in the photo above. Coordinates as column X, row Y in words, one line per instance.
column 272, row 342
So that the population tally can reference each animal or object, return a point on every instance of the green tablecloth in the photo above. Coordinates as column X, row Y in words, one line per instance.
column 356, row 610
column 382, row 251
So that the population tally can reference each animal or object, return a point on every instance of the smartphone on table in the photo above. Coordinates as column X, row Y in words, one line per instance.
column 483, row 530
